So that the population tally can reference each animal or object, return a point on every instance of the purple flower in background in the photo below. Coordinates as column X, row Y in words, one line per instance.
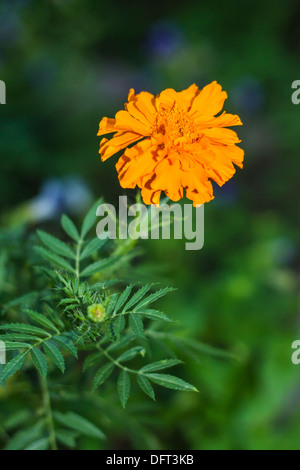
column 69, row 194
column 164, row 39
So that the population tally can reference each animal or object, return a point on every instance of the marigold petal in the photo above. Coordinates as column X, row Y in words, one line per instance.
column 131, row 95
column 166, row 98
column 126, row 122
column 143, row 108
column 186, row 97
column 224, row 120
column 221, row 168
column 106, row 126
column 150, row 197
column 209, row 101
column 136, row 162
column 167, row 177
column 197, row 186
column 221, row 135
column 118, row 142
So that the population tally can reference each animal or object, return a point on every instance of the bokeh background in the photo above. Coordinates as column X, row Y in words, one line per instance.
column 68, row 63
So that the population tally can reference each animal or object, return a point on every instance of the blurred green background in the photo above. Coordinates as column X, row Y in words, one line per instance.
column 68, row 63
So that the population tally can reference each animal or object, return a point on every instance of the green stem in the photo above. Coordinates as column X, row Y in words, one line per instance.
column 48, row 412
column 77, row 265
column 117, row 363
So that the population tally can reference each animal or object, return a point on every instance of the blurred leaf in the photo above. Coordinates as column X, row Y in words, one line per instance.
column 56, row 260
column 12, row 367
column 159, row 365
column 79, row 423
column 137, row 296
column 70, row 228
column 23, row 328
column 145, row 386
column 99, row 266
column 39, row 361
column 153, row 297
column 90, row 219
column 124, row 387
column 55, row 355
column 56, row 245
column 41, row 320
column 103, row 373
column 131, row 353
column 170, row 381
column 136, row 324
column 66, row 344
column 93, row 246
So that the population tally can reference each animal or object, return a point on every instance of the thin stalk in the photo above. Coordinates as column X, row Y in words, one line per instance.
column 48, row 412
column 77, row 262
column 117, row 363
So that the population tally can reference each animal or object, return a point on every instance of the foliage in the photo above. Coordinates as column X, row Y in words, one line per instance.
column 86, row 314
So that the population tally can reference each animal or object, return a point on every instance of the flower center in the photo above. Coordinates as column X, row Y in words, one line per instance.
column 174, row 123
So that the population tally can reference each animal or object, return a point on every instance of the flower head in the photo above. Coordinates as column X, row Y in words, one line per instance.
column 179, row 143
column 97, row 313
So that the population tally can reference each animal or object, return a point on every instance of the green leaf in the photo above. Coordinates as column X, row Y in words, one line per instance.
column 153, row 297
column 16, row 419
column 123, row 297
column 67, row 438
column 137, row 296
column 41, row 320
column 131, row 353
column 70, row 228
column 136, row 324
column 66, row 344
column 23, row 328
column 122, row 343
column 54, row 354
column 111, row 304
column 40, row 444
column 18, row 337
column 119, row 325
column 54, row 316
column 193, row 348
column 146, row 386
column 154, row 315
column 39, row 361
column 124, row 387
column 13, row 345
column 79, row 423
column 56, row 260
column 104, row 284
column 56, row 245
column 12, row 367
column 159, row 365
column 102, row 375
column 92, row 246
column 24, row 300
column 170, row 381
column 25, row 437
column 99, row 266
column 90, row 219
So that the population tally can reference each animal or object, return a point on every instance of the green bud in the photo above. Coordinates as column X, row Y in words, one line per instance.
column 96, row 313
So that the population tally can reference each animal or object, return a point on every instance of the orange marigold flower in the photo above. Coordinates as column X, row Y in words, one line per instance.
column 179, row 143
